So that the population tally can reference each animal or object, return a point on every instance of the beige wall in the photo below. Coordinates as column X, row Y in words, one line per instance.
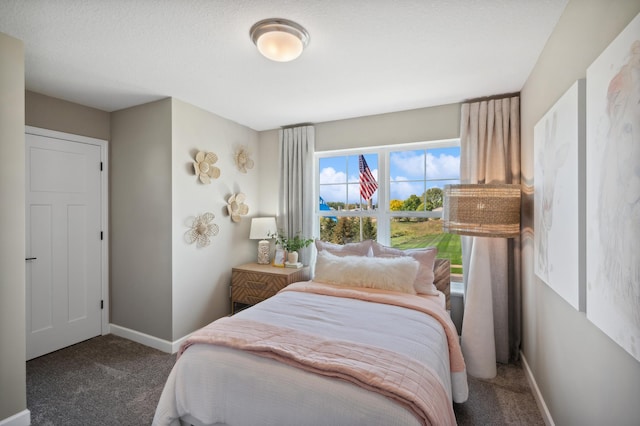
column 584, row 377
column 13, row 399
column 417, row 125
column 140, row 218
column 201, row 276
column 161, row 285
column 55, row 114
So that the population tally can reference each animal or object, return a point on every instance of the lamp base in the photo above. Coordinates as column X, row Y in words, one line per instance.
column 263, row 252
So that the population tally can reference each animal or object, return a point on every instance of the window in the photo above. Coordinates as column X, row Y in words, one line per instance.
column 399, row 204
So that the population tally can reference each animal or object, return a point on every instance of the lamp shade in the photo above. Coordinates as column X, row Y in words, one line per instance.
column 491, row 210
column 262, row 227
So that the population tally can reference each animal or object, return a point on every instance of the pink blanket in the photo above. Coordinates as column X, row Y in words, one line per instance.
column 396, row 376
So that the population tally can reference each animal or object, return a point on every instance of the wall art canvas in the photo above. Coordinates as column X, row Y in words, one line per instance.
column 613, row 190
column 559, row 141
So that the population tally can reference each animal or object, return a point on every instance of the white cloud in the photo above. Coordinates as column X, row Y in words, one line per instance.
column 408, row 163
column 411, row 165
column 443, row 166
column 329, row 175
column 402, row 190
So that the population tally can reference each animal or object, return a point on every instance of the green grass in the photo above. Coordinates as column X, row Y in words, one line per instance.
column 406, row 235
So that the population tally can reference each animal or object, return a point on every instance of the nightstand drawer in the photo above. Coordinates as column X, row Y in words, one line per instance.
column 253, row 283
column 242, row 293
column 255, row 286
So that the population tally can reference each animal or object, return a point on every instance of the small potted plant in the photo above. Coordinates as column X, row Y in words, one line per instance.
column 291, row 244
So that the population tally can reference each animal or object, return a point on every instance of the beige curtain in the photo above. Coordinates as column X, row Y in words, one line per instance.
column 490, row 153
column 296, row 201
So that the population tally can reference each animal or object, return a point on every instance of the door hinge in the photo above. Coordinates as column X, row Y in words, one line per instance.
column 101, row 166
column 102, row 304
column 101, row 235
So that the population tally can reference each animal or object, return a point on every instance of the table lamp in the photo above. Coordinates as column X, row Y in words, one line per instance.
column 261, row 229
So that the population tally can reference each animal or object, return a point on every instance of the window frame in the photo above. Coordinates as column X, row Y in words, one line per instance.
column 383, row 213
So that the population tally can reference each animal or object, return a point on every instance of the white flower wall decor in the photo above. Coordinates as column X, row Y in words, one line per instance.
column 242, row 157
column 204, row 166
column 236, row 206
column 201, row 229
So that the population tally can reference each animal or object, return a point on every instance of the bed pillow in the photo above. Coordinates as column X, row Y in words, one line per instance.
column 425, row 257
column 394, row 273
column 350, row 249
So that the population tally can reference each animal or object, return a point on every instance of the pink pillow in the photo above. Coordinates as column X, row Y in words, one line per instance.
column 350, row 249
column 426, row 258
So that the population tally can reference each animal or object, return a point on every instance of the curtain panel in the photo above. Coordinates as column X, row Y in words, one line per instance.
column 490, row 153
column 296, row 204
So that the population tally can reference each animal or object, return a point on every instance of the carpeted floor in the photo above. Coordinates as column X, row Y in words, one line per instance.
column 106, row 380
column 503, row 400
column 109, row 380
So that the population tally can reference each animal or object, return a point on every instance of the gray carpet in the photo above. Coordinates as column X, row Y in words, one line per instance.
column 106, row 380
column 503, row 400
column 109, row 380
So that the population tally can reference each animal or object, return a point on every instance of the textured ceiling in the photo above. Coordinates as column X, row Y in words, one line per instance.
column 365, row 56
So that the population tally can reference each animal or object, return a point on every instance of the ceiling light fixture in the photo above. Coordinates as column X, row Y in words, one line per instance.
column 279, row 39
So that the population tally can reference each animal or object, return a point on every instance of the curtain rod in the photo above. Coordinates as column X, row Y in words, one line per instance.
column 291, row 126
column 492, row 97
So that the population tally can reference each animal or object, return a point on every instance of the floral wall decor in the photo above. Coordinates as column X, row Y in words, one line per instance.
column 204, row 166
column 243, row 160
column 201, row 229
column 236, row 206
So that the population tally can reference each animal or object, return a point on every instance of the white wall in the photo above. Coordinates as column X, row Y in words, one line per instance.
column 585, row 378
column 201, row 276
column 13, row 396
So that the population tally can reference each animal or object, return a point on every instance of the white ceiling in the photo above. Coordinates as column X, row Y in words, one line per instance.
column 365, row 56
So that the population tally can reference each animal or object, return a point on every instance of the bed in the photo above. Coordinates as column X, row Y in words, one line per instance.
column 357, row 345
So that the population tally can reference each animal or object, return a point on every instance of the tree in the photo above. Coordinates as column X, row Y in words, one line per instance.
column 395, row 205
column 433, row 198
column 369, row 231
column 327, row 226
column 343, row 232
column 411, row 203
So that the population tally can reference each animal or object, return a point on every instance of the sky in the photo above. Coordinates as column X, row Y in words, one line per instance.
column 411, row 172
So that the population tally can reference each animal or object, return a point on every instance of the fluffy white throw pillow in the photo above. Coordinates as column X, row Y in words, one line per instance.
column 393, row 273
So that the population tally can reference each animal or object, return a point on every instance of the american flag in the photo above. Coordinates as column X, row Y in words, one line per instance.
column 368, row 184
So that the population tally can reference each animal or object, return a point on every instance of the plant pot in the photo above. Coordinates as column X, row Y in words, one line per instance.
column 292, row 257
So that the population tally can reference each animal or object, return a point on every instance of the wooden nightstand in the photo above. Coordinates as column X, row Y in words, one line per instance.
column 252, row 283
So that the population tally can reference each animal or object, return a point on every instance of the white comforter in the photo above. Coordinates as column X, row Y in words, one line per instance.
column 218, row 385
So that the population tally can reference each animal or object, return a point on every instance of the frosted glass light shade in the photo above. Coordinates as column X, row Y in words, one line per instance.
column 278, row 39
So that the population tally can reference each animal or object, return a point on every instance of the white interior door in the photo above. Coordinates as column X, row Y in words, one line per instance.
column 63, row 241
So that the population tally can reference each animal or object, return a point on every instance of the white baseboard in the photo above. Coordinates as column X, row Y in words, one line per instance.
column 542, row 406
column 147, row 340
column 23, row 418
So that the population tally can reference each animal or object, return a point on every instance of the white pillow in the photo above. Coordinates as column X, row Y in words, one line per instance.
column 361, row 248
column 393, row 273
